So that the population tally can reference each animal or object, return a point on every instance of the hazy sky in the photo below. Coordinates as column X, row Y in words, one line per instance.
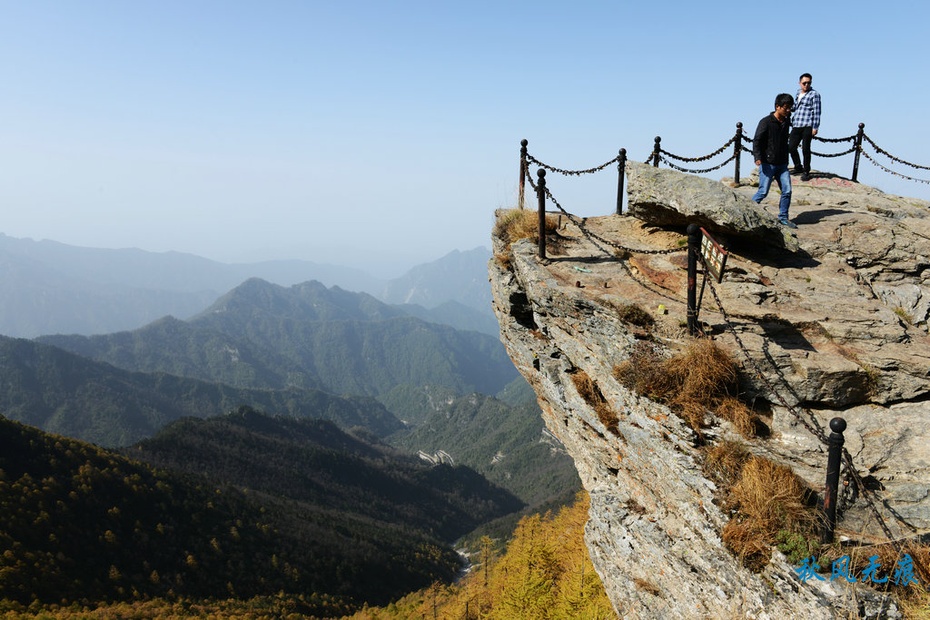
column 385, row 134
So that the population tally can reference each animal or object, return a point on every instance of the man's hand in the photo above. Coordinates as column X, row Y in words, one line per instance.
column 814, row 132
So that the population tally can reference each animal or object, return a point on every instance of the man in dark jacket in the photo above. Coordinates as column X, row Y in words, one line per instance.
column 770, row 152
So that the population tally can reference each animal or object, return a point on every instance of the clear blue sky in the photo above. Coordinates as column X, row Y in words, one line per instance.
column 385, row 134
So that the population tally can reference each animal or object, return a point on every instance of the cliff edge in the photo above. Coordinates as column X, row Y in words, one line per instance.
column 829, row 321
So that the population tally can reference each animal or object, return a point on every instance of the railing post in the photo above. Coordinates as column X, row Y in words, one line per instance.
column 694, row 246
column 737, row 151
column 541, row 195
column 656, row 150
column 858, row 145
column 523, row 144
column 621, row 168
column 834, row 454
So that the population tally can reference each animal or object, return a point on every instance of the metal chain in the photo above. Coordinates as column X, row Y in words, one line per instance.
column 532, row 159
column 697, row 159
column 596, row 239
column 680, row 169
column 889, row 171
column 812, row 426
column 746, row 138
column 847, row 152
column 846, row 139
column 892, row 157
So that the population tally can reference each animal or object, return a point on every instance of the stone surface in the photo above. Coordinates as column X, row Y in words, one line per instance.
column 837, row 328
column 667, row 197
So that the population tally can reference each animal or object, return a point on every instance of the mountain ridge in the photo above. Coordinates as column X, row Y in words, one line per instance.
column 54, row 288
column 259, row 327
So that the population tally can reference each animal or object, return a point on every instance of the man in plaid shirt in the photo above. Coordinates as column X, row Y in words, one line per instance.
column 805, row 121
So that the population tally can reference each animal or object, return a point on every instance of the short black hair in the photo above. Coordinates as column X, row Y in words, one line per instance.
column 806, row 75
column 783, row 100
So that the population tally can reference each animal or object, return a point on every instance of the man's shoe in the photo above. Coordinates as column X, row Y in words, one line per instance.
column 805, row 177
column 786, row 222
column 797, row 170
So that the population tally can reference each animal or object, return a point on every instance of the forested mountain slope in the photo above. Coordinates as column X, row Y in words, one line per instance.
column 314, row 461
column 83, row 524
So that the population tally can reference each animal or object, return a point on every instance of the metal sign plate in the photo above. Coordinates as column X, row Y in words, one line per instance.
column 715, row 257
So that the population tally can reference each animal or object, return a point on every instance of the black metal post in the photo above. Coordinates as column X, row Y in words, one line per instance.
column 656, row 150
column 858, row 145
column 694, row 246
column 834, row 454
column 541, row 195
column 621, row 169
column 737, row 152
column 523, row 144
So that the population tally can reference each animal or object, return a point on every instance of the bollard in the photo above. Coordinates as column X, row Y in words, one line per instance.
column 737, row 152
column 694, row 246
column 541, row 195
column 621, row 168
column 656, row 149
column 523, row 144
column 858, row 146
column 830, row 493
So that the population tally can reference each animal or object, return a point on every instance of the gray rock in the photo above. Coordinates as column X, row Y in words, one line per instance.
column 838, row 328
column 664, row 197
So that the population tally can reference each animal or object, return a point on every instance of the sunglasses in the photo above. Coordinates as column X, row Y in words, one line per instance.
column 805, row 83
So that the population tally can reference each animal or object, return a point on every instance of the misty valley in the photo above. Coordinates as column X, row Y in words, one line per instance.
column 279, row 440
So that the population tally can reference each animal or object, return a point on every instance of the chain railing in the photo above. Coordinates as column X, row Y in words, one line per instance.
column 739, row 140
column 774, row 380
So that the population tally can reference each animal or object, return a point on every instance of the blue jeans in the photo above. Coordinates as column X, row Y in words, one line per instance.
column 780, row 173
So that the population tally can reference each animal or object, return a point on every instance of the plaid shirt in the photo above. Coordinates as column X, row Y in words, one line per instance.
column 807, row 112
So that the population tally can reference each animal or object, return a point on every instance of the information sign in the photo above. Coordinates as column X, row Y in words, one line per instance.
column 715, row 257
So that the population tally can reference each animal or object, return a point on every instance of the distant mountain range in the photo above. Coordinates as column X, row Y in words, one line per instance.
column 48, row 287
column 64, row 393
column 262, row 335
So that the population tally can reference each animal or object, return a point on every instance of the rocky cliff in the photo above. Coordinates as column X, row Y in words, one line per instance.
column 828, row 320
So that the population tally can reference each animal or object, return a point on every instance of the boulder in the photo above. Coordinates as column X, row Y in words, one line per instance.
column 664, row 197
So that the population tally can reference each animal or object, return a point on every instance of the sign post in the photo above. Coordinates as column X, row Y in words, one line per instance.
column 714, row 257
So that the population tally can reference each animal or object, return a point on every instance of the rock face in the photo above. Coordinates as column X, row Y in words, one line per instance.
column 669, row 198
column 836, row 328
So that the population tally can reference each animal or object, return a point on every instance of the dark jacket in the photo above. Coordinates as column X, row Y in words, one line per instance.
column 770, row 144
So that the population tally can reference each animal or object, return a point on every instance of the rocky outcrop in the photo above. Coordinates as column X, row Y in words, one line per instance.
column 663, row 199
column 836, row 328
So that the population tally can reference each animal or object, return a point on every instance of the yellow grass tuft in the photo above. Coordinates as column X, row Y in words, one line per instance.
column 587, row 388
column 702, row 378
column 768, row 498
column 515, row 224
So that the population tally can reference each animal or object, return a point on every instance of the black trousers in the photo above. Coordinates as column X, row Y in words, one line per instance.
column 802, row 136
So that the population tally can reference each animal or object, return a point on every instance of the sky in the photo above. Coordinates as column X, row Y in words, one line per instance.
column 381, row 135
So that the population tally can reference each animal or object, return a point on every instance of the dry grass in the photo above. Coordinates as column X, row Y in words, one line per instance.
column 739, row 414
column 915, row 599
column 634, row 315
column 646, row 586
column 723, row 462
column 588, row 390
column 703, row 377
column 504, row 260
column 768, row 498
column 515, row 224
